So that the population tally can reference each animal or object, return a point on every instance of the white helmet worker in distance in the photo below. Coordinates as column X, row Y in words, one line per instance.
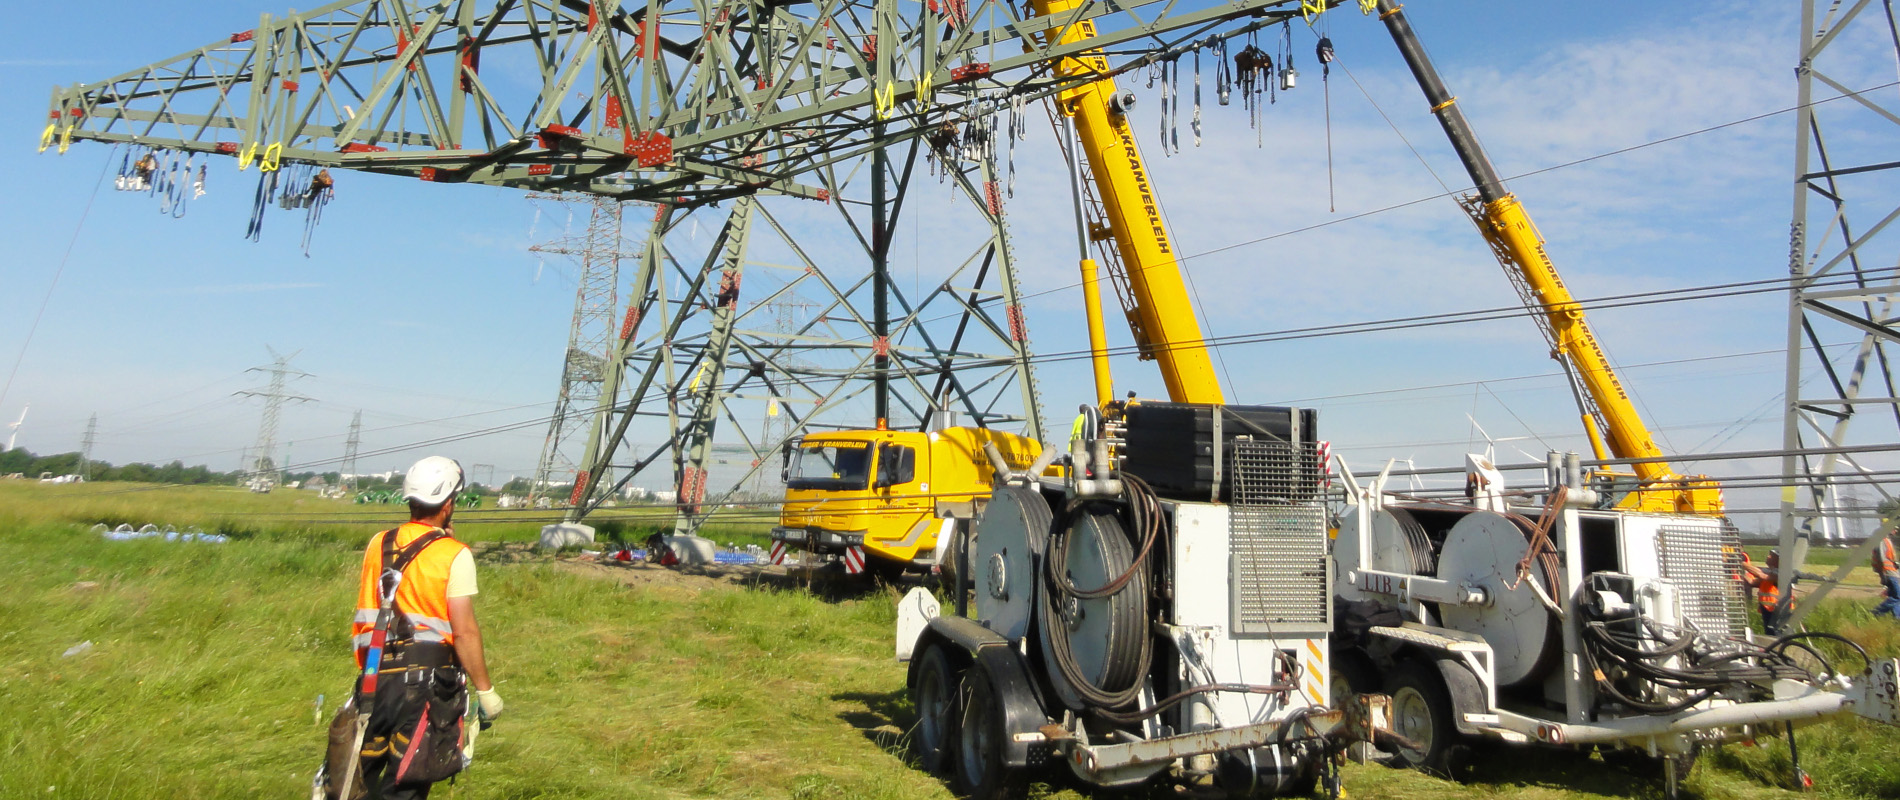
column 432, row 482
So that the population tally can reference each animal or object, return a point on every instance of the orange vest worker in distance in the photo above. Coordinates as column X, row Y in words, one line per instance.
column 434, row 605
column 1889, row 574
column 1767, row 594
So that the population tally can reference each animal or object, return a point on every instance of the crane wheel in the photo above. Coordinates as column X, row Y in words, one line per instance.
column 934, row 694
column 1422, row 713
column 981, row 772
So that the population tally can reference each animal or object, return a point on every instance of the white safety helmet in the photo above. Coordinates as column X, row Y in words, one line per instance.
column 433, row 481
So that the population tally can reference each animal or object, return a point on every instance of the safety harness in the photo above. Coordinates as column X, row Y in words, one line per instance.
column 394, row 564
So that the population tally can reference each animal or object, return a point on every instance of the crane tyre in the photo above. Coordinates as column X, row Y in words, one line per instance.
column 1422, row 713
column 934, row 694
column 981, row 772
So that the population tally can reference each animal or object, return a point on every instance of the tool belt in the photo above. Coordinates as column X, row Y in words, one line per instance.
column 417, row 719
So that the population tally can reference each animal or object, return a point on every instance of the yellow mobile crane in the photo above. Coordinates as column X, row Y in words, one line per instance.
column 852, row 496
column 1609, row 418
column 1126, row 212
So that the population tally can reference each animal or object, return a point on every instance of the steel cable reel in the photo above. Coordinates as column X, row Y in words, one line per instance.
column 1004, row 558
column 1398, row 543
column 1483, row 551
column 1097, row 647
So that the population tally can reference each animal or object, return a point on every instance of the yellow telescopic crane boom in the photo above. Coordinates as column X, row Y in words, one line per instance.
column 1160, row 314
column 1609, row 418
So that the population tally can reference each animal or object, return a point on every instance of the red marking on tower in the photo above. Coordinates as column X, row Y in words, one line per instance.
column 650, row 149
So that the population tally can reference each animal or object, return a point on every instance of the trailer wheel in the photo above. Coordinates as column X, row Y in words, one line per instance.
column 981, row 773
column 1422, row 713
column 934, row 694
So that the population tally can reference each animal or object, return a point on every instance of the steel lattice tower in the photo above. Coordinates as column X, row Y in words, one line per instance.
column 780, row 144
column 598, row 250
column 85, row 447
column 347, row 476
column 1841, row 403
column 263, row 469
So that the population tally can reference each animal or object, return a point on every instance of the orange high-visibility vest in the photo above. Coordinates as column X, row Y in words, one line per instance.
column 1883, row 557
column 423, row 596
column 1767, row 593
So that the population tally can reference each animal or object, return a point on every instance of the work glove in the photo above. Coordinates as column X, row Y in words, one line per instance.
column 490, row 703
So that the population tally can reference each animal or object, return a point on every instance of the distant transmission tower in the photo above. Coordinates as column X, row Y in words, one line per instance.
column 778, row 425
column 598, row 250
column 85, row 447
column 348, row 477
column 263, row 470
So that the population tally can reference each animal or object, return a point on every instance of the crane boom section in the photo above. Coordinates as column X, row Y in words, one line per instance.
column 1162, row 314
column 1610, row 418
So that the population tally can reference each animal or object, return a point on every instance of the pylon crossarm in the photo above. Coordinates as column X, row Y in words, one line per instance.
column 692, row 103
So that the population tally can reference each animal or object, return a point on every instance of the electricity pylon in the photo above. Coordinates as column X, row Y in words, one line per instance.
column 597, row 250
column 264, row 470
column 85, row 447
column 347, row 474
column 786, row 136
column 1842, row 406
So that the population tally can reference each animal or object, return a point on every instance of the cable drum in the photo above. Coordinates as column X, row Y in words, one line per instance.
column 1094, row 612
column 1424, row 559
column 1483, row 551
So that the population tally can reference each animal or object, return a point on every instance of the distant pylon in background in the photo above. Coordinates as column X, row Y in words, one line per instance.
column 487, row 473
column 85, row 447
column 778, row 425
column 348, row 477
column 263, row 469
column 598, row 251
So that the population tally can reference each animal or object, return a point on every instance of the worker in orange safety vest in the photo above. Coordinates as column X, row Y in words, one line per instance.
column 1767, row 594
column 416, row 675
column 1889, row 574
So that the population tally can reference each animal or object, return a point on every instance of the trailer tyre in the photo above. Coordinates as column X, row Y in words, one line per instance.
column 1422, row 712
column 981, row 771
column 934, row 694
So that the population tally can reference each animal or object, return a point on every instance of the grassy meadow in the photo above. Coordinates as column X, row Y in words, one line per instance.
column 207, row 662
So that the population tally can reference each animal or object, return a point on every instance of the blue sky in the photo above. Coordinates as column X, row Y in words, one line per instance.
column 420, row 302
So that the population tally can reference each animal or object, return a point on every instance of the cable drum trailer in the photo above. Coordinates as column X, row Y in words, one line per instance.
column 1162, row 609
column 1568, row 622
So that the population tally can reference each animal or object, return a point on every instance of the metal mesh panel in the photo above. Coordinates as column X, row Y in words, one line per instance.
column 1281, row 580
column 1703, row 563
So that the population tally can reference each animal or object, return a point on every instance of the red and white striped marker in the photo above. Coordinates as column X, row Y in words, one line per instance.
column 853, row 560
column 1325, row 464
column 778, row 553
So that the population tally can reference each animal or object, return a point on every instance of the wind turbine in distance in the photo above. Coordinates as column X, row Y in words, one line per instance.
column 15, row 426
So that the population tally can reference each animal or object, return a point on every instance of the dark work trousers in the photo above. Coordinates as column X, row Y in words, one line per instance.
column 379, row 774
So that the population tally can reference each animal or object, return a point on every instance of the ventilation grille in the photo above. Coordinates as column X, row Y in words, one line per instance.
column 1281, row 581
column 1702, row 563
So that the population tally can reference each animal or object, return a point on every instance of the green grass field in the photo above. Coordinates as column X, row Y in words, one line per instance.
column 208, row 660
